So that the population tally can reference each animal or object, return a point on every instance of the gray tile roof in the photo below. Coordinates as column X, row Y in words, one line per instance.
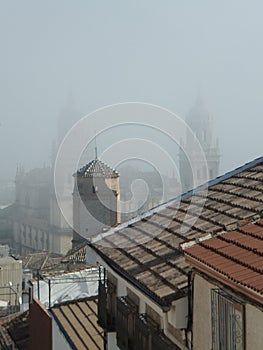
column 156, row 265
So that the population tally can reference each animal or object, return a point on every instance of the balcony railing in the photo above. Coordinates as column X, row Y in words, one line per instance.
column 138, row 331
column 145, row 327
column 122, row 324
column 107, row 305
column 102, row 303
column 134, row 331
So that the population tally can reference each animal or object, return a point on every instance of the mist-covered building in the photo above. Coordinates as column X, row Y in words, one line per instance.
column 38, row 224
column 96, row 200
column 201, row 124
column 37, row 221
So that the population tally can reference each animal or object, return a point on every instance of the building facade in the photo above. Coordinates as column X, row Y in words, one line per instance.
column 11, row 280
column 227, row 289
column 38, row 224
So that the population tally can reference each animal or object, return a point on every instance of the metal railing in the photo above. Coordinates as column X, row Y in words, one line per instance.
column 135, row 331
column 227, row 321
column 107, row 305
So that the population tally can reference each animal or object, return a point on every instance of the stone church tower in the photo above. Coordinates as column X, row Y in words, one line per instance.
column 96, row 200
column 200, row 121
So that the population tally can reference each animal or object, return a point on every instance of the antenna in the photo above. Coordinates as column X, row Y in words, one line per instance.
column 96, row 148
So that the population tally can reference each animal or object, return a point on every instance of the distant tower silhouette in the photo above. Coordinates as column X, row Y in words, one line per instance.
column 200, row 121
column 67, row 117
column 96, row 200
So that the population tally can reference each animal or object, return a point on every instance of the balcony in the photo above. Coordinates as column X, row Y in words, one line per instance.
column 134, row 331
column 107, row 305
column 138, row 331
column 127, row 313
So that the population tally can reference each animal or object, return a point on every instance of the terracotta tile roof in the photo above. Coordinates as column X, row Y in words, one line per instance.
column 77, row 320
column 157, row 266
column 14, row 331
column 97, row 168
column 77, row 254
column 235, row 257
column 48, row 262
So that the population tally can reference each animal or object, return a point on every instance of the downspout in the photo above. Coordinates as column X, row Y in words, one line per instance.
column 189, row 330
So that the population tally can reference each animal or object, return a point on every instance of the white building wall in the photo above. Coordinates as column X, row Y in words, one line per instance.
column 112, row 341
column 202, row 314
column 11, row 279
column 254, row 322
column 82, row 284
column 59, row 341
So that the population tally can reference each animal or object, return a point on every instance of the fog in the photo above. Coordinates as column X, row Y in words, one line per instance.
column 96, row 53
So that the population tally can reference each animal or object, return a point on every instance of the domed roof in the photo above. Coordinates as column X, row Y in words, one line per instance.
column 97, row 168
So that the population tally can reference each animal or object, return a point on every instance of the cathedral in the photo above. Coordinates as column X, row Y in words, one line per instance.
column 37, row 221
column 200, row 122
column 38, row 224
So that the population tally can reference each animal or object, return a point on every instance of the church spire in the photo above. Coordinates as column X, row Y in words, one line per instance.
column 200, row 122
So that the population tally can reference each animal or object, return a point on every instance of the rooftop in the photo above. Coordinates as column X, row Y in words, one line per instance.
column 14, row 331
column 77, row 320
column 97, row 168
column 235, row 258
column 157, row 266
column 8, row 260
column 46, row 262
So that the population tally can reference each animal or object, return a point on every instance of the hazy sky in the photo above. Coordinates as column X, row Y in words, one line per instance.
column 104, row 52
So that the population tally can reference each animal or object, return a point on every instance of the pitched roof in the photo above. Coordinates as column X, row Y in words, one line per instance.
column 77, row 254
column 42, row 261
column 14, row 331
column 235, row 257
column 8, row 260
column 157, row 266
column 77, row 320
column 97, row 168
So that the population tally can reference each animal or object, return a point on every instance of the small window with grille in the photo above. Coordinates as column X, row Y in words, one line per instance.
column 227, row 321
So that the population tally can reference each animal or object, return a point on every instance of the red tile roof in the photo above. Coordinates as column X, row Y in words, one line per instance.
column 235, row 258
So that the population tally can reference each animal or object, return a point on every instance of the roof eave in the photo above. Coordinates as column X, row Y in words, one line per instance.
column 223, row 279
column 165, row 303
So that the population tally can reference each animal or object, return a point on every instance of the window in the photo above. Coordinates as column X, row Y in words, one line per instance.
column 227, row 321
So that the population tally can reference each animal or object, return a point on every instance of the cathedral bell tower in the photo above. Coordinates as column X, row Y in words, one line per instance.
column 96, row 200
column 200, row 121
